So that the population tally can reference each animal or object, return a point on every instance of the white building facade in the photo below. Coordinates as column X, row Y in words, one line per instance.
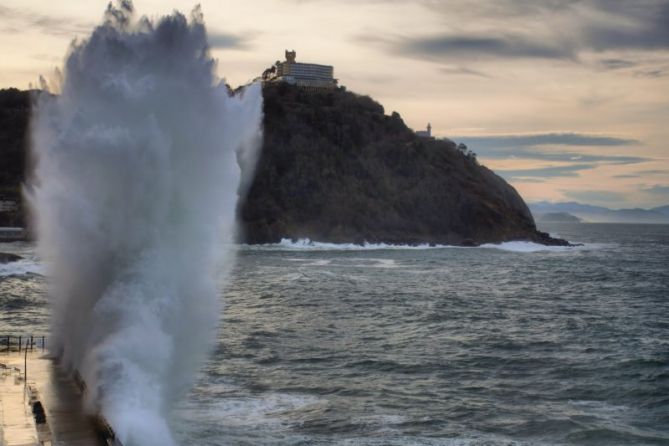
column 425, row 133
column 304, row 74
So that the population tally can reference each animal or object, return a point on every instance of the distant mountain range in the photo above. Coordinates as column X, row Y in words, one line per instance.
column 557, row 217
column 597, row 214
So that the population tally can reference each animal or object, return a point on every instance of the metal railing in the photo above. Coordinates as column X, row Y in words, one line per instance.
column 18, row 343
column 28, row 343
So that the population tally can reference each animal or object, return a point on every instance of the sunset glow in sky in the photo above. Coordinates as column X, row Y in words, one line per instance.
column 567, row 99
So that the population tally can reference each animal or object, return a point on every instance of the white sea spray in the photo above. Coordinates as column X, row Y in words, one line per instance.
column 134, row 195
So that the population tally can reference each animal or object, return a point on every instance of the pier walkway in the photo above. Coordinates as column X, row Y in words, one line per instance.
column 44, row 411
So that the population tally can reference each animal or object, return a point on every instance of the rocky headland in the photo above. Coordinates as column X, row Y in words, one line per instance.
column 335, row 168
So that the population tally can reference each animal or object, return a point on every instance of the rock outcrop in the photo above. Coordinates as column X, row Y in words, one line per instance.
column 6, row 257
column 334, row 167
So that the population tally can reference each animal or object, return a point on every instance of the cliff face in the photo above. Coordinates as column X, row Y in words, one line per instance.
column 14, row 115
column 335, row 168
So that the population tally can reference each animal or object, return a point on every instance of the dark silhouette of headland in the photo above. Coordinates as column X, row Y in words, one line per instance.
column 334, row 167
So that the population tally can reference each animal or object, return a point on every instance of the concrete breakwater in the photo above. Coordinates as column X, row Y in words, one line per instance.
column 41, row 404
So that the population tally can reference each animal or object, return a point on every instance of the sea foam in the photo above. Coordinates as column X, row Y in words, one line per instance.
column 310, row 245
column 21, row 268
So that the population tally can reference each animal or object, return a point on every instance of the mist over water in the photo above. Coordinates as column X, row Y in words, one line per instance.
column 136, row 183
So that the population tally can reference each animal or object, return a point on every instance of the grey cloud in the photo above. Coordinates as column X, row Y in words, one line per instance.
column 654, row 172
column 567, row 157
column 652, row 72
column 57, row 26
column 594, row 196
column 570, row 139
column 571, row 170
column 515, row 46
column 616, row 64
column 13, row 18
column 657, row 190
column 463, row 71
column 536, row 30
column 475, row 8
column 9, row 29
column 526, row 180
column 532, row 147
column 643, row 174
column 529, row 147
column 648, row 29
column 220, row 40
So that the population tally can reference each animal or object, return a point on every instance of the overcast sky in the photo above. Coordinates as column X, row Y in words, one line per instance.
column 567, row 99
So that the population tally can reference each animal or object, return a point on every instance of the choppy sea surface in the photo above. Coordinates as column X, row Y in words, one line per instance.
column 499, row 345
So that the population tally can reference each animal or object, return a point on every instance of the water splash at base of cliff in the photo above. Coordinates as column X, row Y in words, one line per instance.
column 134, row 193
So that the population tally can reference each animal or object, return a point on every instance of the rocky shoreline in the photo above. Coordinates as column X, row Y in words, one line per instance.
column 7, row 257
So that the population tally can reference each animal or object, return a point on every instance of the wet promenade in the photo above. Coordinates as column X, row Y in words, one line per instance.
column 44, row 410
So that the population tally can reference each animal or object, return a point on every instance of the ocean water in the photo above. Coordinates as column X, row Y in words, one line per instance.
column 500, row 345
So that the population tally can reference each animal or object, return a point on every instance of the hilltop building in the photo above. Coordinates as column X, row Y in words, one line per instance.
column 425, row 133
column 308, row 75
